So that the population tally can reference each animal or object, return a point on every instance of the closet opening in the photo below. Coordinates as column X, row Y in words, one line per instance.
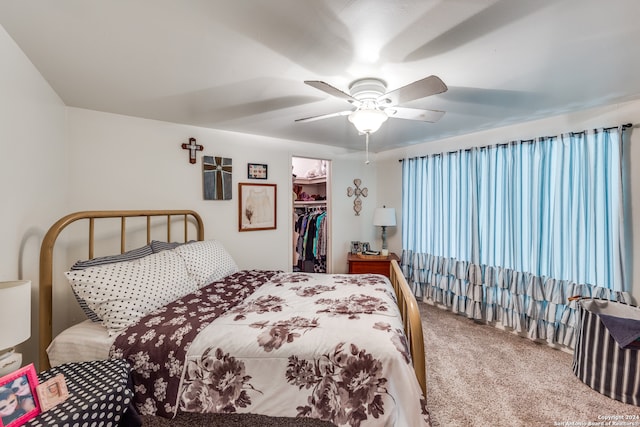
column 311, row 215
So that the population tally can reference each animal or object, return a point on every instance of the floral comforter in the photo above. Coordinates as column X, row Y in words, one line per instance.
column 306, row 345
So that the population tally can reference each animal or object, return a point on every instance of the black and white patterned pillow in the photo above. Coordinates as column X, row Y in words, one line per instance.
column 109, row 259
column 122, row 293
column 207, row 261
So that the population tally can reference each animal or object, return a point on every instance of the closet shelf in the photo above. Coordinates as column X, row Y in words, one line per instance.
column 309, row 202
column 308, row 181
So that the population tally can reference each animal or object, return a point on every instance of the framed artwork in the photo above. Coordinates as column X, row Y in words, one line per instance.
column 256, row 206
column 52, row 392
column 217, row 178
column 256, row 171
column 355, row 247
column 18, row 398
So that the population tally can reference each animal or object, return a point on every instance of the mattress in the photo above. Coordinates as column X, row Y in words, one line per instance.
column 80, row 343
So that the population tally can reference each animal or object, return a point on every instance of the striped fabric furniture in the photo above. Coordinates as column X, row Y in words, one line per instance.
column 607, row 353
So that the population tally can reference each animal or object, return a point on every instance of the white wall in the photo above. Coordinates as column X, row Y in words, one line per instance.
column 33, row 164
column 347, row 226
column 121, row 162
column 389, row 184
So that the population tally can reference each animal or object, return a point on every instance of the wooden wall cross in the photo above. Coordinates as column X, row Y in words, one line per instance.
column 192, row 147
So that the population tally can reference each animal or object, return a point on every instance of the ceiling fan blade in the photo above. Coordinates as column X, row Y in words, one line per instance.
column 327, row 88
column 430, row 116
column 419, row 89
column 324, row 116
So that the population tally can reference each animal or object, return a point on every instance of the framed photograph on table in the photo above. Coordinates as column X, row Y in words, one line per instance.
column 256, row 206
column 256, row 171
column 18, row 398
column 52, row 392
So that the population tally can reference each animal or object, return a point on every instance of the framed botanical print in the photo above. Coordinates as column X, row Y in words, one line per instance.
column 256, row 206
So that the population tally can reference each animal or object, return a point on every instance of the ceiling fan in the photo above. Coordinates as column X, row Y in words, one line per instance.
column 374, row 105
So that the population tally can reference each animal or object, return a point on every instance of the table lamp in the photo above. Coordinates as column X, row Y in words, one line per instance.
column 15, row 321
column 384, row 217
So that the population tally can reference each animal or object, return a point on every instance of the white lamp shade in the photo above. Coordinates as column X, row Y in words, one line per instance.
column 368, row 120
column 15, row 313
column 384, row 216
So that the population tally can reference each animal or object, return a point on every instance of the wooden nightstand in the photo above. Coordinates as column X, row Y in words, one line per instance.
column 359, row 264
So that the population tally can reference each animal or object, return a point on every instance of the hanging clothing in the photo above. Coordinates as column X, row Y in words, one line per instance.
column 311, row 247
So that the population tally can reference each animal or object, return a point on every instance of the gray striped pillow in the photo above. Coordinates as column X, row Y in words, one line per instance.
column 158, row 246
column 110, row 259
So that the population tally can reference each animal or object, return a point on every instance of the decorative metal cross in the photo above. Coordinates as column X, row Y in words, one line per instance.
column 192, row 147
column 357, row 203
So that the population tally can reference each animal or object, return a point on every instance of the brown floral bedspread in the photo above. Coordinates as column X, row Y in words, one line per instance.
column 279, row 344
column 157, row 345
column 308, row 345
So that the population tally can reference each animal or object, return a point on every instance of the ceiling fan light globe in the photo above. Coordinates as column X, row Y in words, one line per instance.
column 368, row 120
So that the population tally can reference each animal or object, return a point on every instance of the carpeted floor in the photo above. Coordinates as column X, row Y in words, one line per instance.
column 478, row 375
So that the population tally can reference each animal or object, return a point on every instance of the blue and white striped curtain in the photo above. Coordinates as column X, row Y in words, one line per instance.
column 507, row 233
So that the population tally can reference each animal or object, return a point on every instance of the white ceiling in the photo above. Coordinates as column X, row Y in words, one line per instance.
column 239, row 65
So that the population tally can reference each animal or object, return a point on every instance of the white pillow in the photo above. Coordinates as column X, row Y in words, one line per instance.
column 207, row 261
column 124, row 292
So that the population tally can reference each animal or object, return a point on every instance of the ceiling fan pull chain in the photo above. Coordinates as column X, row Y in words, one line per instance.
column 366, row 143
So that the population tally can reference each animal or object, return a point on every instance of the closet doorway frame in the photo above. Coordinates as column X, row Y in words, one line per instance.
column 328, row 204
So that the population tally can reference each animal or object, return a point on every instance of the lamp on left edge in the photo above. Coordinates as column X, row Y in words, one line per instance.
column 15, row 321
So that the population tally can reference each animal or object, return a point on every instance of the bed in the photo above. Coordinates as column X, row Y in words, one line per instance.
column 203, row 336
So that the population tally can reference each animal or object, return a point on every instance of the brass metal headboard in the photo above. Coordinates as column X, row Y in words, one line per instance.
column 48, row 243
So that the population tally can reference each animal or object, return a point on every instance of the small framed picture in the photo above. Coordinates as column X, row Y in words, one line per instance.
column 256, row 206
column 52, row 392
column 18, row 397
column 355, row 246
column 365, row 247
column 256, row 171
